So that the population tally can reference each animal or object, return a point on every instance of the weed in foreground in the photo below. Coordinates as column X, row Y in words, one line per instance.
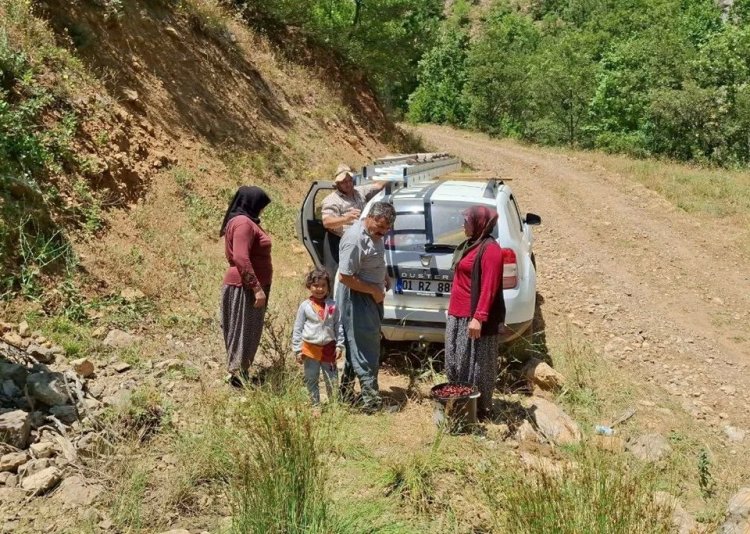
column 412, row 478
column 598, row 492
column 127, row 510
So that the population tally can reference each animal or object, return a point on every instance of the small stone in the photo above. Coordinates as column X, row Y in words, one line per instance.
column 649, row 447
column 43, row 449
column 119, row 339
column 48, row 388
column 41, row 482
column 33, row 466
column 734, row 434
column 12, row 461
column 74, row 492
column 131, row 95
column 682, row 522
column 67, row 414
column 738, row 513
column 83, row 367
column 13, row 371
column 10, row 389
column 172, row 31
column 540, row 374
column 120, row 367
column 131, row 295
column 42, row 354
column 23, row 329
column 99, row 332
column 15, row 428
column 553, row 423
column 13, row 338
column 96, row 390
column 11, row 481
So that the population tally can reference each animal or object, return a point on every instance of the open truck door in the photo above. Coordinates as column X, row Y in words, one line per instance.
column 310, row 223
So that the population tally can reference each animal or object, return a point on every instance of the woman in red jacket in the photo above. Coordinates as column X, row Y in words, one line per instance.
column 476, row 311
column 247, row 282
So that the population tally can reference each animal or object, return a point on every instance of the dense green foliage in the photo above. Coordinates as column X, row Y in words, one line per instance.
column 384, row 38
column 664, row 77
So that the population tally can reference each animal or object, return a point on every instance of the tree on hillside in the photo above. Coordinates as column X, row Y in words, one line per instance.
column 442, row 77
column 562, row 85
column 498, row 74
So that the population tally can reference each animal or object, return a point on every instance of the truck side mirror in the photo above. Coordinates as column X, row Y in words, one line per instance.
column 532, row 219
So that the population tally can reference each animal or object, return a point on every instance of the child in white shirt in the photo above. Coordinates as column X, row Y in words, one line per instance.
column 318, row 337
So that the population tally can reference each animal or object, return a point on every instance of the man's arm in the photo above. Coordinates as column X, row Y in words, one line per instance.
column 353, row 282
column 370, row 190
column 333, row 222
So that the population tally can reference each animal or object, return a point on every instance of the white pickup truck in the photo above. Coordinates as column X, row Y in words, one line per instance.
column 430, row 196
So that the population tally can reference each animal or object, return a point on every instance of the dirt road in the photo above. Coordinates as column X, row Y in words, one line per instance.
column 655, row 290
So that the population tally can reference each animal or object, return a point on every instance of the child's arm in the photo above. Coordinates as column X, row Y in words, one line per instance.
column 299, row 324
column 338, row 328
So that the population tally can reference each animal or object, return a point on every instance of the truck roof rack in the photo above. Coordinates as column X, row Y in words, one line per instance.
column 406, row 170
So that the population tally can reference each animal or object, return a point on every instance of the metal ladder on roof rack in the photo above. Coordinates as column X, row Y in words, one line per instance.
column 394, row 169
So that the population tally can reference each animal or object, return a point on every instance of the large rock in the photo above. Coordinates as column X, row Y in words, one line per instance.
column 553, row 423
column 10, row 389
column 12, row 461
column 48, row 388
column 682, row 521
column 15, row 428
column 540, row 375
column 738, row 514
column 120, row 340
column 526, row 432
column 41, row 482
column 649, row 447
column 13, row 371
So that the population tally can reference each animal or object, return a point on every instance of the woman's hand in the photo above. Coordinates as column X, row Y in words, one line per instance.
column 299, row 357
column 339, row 353
column 475, row 329
column 260, row 298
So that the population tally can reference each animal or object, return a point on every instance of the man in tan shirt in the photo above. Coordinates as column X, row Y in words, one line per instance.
column 340, row 209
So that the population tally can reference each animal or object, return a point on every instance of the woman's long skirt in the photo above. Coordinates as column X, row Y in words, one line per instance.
column 473, row 361
column 242, row 326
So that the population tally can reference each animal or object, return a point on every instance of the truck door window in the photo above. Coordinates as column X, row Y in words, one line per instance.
column 320, row 195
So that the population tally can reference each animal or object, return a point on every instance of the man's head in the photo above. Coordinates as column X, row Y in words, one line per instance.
column 380, row 219
column 344, row 179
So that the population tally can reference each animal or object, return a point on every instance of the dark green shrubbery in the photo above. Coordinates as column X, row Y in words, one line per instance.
column 669, row 77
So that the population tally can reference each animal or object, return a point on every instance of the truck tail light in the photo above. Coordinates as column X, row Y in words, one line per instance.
column 510, row 269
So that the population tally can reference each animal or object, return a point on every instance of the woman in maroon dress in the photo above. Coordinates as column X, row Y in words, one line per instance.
column 247, row 282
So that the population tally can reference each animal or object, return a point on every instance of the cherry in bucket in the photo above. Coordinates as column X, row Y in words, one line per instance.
column 453, row 390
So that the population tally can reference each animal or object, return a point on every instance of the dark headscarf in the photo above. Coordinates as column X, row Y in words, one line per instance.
column 481, row 221
column 247, row 201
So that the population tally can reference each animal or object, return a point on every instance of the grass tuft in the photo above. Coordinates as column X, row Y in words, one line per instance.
column 599, row 493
